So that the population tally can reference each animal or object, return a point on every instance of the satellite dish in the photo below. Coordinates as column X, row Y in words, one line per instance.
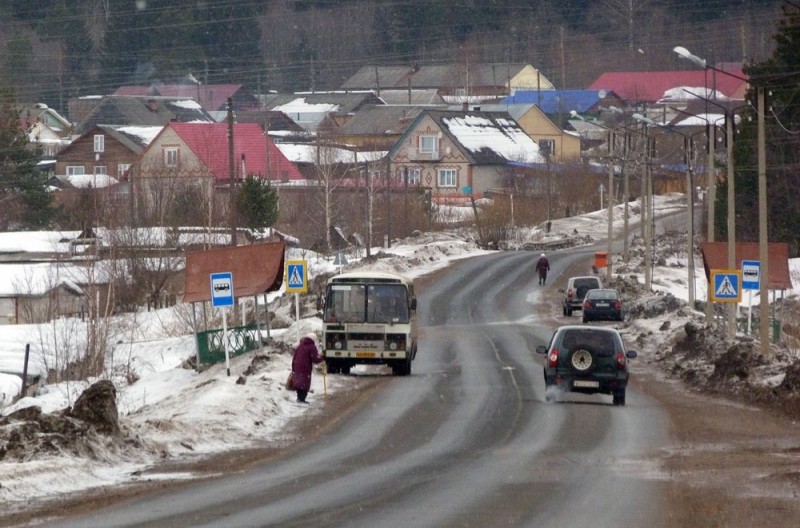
column 601, row 94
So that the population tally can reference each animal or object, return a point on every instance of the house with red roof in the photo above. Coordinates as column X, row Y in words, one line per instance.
column 201, row 149
column 185, row 169
column 650, row 87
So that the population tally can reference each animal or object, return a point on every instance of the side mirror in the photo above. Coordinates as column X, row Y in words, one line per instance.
column 541, row 349
column 562, row 290
column 631, row 354
column 414, row 303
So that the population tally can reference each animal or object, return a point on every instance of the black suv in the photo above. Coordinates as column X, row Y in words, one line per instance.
column 576, row 291
column 586, row 359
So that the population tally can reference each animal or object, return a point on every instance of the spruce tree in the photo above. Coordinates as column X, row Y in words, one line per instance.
column 780, row 78
column 23, row 189
column 257, row 203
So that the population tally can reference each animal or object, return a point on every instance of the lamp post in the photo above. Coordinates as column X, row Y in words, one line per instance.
column 625, row 190
column 731, row 225
column 688, row 146
column 648, row 212
column 763, row 241
column 609, row 265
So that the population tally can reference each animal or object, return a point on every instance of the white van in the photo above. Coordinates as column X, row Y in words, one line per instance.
column 369, row 318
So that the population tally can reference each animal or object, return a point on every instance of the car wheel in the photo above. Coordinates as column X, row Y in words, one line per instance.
column 581, row 360
column 564, row 311
column 619, row 398
column 585, row 319
column 569, row 312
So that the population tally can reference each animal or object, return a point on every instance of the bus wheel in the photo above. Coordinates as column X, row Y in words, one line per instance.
column 402, row 369
column 332, row 366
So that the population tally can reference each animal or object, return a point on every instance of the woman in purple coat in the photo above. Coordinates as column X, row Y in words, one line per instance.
column 305, row 355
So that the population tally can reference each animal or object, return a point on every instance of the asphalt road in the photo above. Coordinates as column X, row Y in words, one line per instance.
column 466, row 440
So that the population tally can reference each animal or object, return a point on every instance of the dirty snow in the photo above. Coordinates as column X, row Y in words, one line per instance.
column 176, row 412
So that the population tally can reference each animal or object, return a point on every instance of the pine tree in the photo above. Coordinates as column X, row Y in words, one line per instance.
column 779, row 76
column 257, row 203
column 22, row 188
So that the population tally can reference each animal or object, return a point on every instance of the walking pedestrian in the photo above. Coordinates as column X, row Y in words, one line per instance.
column 542, row 267
column 305, row 356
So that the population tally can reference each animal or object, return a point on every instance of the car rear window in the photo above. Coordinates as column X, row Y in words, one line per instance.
column 599, row 342
column 587, row 283
column 602, row 294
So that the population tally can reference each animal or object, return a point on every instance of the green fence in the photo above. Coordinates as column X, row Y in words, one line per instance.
column 741, row 326
column 210, row 343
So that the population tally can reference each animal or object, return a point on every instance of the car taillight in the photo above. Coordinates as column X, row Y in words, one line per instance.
column 587, row 304
column 552, row 358
column 618, row 305
column 569, row 293
column 621, row 360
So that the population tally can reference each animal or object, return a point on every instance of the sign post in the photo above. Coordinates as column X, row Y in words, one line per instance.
column 297, row 283
column 222, row 297
column 751, row 281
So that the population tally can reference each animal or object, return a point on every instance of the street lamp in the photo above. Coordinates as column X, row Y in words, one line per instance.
column 609, row 266
column 763, row 241
column 625, row 189
column 688, row 148
column 731, row 199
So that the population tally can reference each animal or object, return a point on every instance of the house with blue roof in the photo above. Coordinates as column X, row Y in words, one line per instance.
column 562, row 102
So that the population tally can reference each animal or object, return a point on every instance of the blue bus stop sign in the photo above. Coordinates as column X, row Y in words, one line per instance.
column 222, row 289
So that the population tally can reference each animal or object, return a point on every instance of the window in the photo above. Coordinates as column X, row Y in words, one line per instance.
column 122, row 170
column 99, row 143
column 100, row 169
column 413, row 176
column 547, row 147
column 74, row 170
column 446, row 177
column 171, row 157
column 428, row 144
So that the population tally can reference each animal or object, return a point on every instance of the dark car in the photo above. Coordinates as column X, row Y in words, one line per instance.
column 576, row 290
column 602, row 304
column 586, row 359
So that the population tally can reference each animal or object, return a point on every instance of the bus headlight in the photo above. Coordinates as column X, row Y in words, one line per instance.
column 337, row 345
column 393, row 346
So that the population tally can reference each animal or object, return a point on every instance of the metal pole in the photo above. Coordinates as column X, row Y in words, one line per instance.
column 690, row 219
column 231, row 174
column 732, row 307
column 646, row 198
column 609, row 268
column 763, row 240
column 711, row 199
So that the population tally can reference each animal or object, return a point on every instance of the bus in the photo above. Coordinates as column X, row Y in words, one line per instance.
column 369, row 318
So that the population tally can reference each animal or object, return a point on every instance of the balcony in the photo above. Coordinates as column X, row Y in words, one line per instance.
column 415, row 154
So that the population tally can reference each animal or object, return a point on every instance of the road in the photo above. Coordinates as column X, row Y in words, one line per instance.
column 466, row 440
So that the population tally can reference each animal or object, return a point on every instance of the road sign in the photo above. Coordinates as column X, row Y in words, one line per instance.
column 726, row 286
column 222, row 289
column 751, row 275
column 296, row 276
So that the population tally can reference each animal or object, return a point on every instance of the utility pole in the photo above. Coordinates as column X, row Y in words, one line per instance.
column 231, row 175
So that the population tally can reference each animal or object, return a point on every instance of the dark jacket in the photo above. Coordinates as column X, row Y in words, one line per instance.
column 542, row 265
column 305, row 355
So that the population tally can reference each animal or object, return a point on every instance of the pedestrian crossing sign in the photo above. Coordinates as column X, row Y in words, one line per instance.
column 296, row 276
column 726, row 286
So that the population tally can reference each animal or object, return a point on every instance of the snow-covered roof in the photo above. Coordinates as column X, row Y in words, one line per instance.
column 490, row 137
column 307, row 153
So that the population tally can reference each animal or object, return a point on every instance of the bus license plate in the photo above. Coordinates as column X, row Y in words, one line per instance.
column 365, row 354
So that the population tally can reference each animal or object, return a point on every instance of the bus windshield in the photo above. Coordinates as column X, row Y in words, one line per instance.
column 370, row 303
